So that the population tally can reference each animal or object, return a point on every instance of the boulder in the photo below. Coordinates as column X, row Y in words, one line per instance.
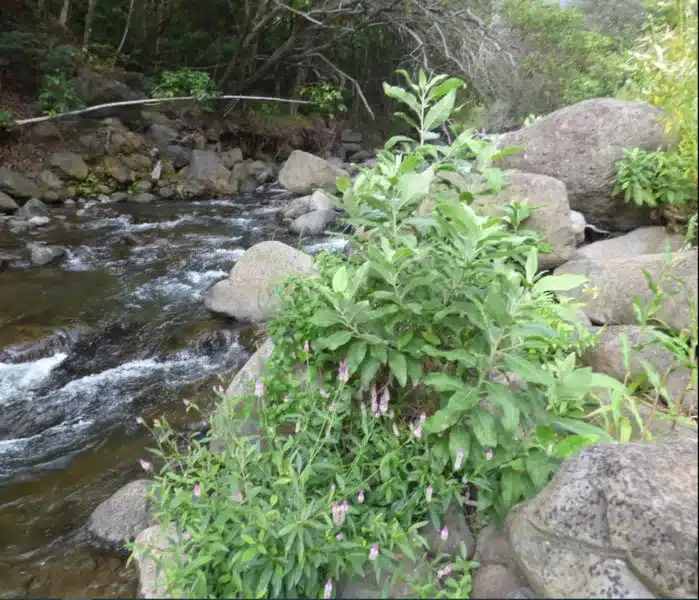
column 645, row 240
column 137, row 162
column 313, row 223
column 179, row 156
column 303, row 172
column 7, row 203
column 162, row 135
column 121, row 517
column 153, row 544
column 232, row 157
column 617, row 281
column 224, row 424
column 606, row 356
column 458, row 530
column 300, row 206
column 117, row 170
column 551, row 215
column 16, row 185
column 351, row 137
column 580, row 145
column 47, row 131
column 44, row 255
column 33, row 208
column 102, row 88
column 143, row 198
column 206, row 168
column 48, row 180
column 616, row 521
column 71, row 164
column 248, row 293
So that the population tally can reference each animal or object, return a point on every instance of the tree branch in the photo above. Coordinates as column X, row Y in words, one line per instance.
column 354, row 82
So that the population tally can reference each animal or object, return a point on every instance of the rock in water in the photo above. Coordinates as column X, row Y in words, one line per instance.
column 580, row 145
column 616, row 521
column 206, row 168
column 33, row 208
column 7, row 203
column 248, row 293
column 122, row 516
column 303, row 172
column 313, row 223
column 45, row 255
column 317, row 201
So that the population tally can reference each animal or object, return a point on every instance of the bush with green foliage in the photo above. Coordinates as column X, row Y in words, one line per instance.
column 326, row 98
column 387, row 397
column 187, row 82
column 662, row 70
column 58, row 94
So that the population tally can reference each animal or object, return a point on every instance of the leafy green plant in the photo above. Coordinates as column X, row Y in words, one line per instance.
column 58, row 94
column 326, row 97
column 401, row 382
column 655, row 179
column 6, row 119
column 187, row 82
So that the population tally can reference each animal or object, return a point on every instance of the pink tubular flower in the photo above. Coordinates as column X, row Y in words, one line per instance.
column 417, row 432
column 360, row 497
column 489, row 454
column 444, row 534
column 343, row 373
column 286, row 398
column 307, row 347
column 374, row 401
column 238, row 497
column 328, row 591
column 186, row 536
column 428, row 493
column 259, row 388
column 444, row 571
column 146, row 465
column 324, row 394
column 383, row 405
column 459, row 459
column 197, row 490
column 374, row 552
column 395, row 430
column 339, row 512
column 423, row 418
column 218, row 389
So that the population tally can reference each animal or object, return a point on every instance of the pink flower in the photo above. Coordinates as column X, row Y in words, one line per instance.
column 444, row 534
column 307, row 347
column 340, row 536
column 459, row 459
column 238, row 497
column 395, row 430
column 298, row 427
column 464, row 480
column 383, row 405
column 392, row 414
column 444, row 571
column 332, row 488
column 286, row 398
column 428, row 493
column 218, row 389
column 324, row 394
column 423, row 417
column 339, row 512
column 343, row 374
column 259, row 388
column 417, row 431
column 374, row 552
column 374, row 401
column 146, row 465
column 362, row 407
column 327, row 592
column 360, row 497
column 186, row 536
column 489, row 454
column 197, row 491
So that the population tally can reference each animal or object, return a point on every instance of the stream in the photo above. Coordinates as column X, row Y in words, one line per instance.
column 115, row 331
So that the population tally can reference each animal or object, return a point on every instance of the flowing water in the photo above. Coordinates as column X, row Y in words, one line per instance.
column 116, row 331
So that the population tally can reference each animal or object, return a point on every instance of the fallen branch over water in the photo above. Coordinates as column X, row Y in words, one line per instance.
column 90, row 109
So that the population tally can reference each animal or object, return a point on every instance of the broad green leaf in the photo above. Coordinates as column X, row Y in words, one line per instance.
column 397, row 139
column 398, row 366
column 443, row 382
column 440, row 111
column 584, row 429
column 356, row 354
column 539, row 467
column 343, row 183
column 483, row 427
column 413, row 186
column 398, row 93
column 558, row 283
column 531, row 265
column 340, row 280
column 370, row 366
column 573, row 444
column 325, row 317
column 334, row 341
column 529, row 371
column 451, row 84
column 441, row 420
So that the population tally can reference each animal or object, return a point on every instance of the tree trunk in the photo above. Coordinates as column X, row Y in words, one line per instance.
column 126, row 31
column 88, row 22
column 63, row 18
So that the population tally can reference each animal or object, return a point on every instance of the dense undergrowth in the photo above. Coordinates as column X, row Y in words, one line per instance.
column 434, row 367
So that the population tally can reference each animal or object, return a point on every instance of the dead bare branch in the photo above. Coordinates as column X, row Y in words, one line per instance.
column 352, row 79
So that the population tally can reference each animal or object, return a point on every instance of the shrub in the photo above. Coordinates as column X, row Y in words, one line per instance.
column 58, row 95
column 326, row 98
column 387, row 396
column 187, row 82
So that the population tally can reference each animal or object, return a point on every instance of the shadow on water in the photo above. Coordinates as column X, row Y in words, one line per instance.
column 116, row 331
